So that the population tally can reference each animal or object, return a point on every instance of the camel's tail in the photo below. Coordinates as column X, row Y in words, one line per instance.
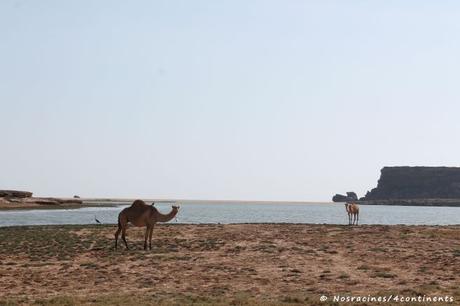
column 119, row 223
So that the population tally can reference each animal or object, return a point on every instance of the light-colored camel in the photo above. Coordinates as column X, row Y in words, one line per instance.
column 353, row 213
column 140, row 214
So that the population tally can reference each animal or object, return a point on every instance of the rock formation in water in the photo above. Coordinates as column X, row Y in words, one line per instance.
column 350, row 197
column 416, row 183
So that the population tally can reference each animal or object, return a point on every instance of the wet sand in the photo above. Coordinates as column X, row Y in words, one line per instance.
column 223, row 264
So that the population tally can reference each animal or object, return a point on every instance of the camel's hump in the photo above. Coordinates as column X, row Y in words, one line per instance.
column 138, row 203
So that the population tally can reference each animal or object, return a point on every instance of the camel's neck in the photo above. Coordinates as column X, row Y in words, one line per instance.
column 165, row 218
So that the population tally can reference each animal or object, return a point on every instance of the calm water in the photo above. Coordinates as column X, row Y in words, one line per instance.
column 246, row 213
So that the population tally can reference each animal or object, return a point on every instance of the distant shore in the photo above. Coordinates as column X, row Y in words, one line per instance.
column 25, row 206
column 110, row 202
column 67, row 203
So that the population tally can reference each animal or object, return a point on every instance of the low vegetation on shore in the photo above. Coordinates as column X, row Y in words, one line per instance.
column 241, row 264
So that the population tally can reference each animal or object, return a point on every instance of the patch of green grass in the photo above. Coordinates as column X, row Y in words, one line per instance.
column 266, row 248
column 429, row 288
column 56, row 301
column 239, row 299
column 378, row 250
column 344, row 276
column 383, row 274
column 89, row 265
column 210, row 244
column 292, row 300
column 42, row 243
column 423, row 269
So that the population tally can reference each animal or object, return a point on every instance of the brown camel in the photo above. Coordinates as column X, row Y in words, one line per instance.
column 353, row 213
column 140, row 214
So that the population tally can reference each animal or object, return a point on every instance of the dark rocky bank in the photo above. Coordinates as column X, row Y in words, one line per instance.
column 350, row 197
column 417, row 183
column 413, row 186
column 25, row 197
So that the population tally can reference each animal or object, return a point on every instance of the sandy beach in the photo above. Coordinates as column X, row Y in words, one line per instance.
column 241, row 264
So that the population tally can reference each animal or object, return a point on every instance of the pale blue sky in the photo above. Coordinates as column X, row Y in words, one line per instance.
column 266, row 100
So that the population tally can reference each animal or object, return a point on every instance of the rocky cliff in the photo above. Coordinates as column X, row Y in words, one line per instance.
column 416, row 183
column 350, row 197
column 8, row 197
column 15, row 194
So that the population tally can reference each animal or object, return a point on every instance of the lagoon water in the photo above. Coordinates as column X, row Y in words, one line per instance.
column 239, row 212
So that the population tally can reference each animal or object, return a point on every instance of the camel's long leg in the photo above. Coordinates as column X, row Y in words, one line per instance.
column 123, row 235
column 349, row 218
column 116, row 235
column 147, row 231
column 357, row 218
column 150, row 237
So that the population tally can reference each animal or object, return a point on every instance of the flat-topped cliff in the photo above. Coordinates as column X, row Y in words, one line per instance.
column 15, row 194
column 10, row 199
column 416, row 183
column 413, row 186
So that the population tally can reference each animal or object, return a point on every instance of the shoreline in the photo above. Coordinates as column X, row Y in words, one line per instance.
column 413, row 202
column 33, row 206
column 104, row 202
column 107, row 202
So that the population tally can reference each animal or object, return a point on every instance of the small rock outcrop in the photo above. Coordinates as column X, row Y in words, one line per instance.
column 350, row 197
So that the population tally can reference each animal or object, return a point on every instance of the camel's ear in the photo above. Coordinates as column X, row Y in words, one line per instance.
column 153, row 203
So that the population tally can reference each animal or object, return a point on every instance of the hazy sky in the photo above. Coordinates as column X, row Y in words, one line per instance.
column 267, row 100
